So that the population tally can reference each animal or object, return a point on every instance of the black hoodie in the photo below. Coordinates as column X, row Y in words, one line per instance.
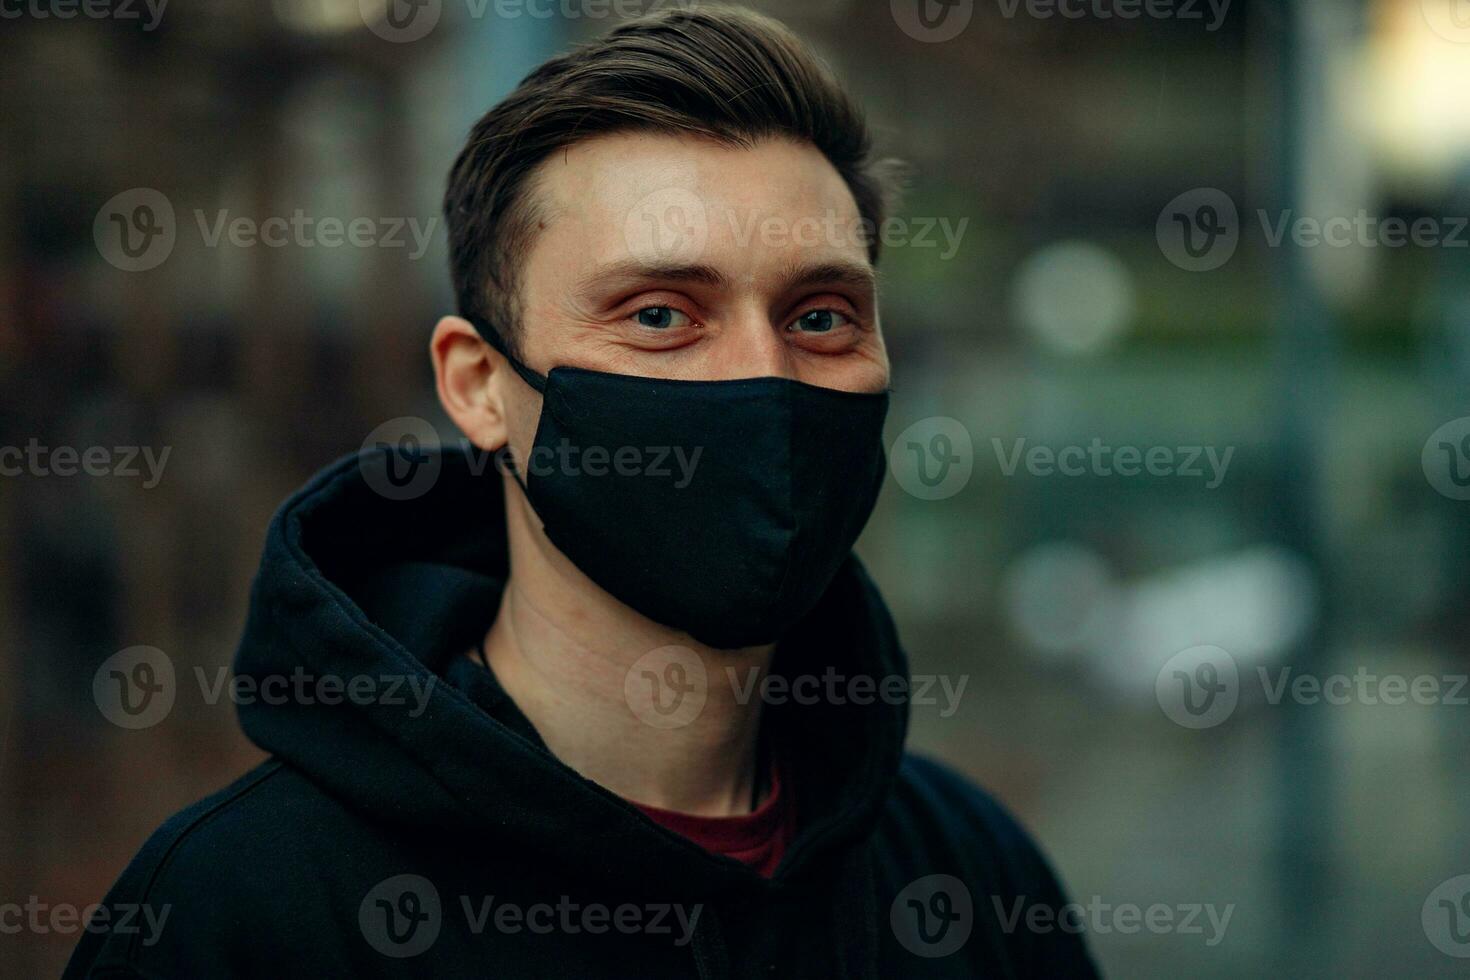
column 419, row 827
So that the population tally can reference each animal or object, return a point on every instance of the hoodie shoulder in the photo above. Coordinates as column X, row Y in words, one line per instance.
column 214, row 879
column 972, row 816
column 947, row 825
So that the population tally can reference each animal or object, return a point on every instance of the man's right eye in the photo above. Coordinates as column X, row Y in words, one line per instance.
column 661, row 318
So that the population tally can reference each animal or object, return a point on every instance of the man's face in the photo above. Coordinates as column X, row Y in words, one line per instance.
column 678, row 257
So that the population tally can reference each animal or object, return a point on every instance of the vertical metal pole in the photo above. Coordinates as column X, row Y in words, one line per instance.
column 1304, row 358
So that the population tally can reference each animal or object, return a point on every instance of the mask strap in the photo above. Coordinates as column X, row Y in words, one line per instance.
column 492, row 337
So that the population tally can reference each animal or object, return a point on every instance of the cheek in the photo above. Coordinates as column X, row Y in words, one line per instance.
column 866, row 373
column 879, row 354
column 521, row 411
column 870, row 366
column 523, row 426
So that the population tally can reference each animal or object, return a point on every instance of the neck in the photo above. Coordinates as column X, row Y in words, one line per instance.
column 587, row 671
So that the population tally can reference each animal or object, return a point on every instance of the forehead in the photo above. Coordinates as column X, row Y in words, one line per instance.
column 661, row 197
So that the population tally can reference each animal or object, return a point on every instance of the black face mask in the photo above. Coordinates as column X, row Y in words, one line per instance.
column 721, row 508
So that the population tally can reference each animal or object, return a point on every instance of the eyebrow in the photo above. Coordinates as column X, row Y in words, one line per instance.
column 630, row 272
column 849, row 274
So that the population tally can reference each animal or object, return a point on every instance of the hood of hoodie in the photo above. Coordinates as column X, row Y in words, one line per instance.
column 358, row 583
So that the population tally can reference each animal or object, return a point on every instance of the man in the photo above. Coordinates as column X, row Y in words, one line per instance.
column 669, row 340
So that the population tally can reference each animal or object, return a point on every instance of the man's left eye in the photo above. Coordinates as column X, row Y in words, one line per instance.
column 661, row 318
column 820, row 321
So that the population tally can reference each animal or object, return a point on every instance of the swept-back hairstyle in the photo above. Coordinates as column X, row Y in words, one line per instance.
column 721, row 73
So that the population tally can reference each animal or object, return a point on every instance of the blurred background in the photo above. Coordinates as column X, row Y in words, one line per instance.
column 1131, row 273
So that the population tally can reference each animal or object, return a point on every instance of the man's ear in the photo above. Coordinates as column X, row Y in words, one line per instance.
column 464, row 365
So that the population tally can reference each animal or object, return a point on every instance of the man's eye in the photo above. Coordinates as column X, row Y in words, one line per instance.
column 661, row 318
column 820, row 321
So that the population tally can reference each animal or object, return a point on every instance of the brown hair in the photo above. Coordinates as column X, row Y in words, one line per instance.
column 716, row 72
